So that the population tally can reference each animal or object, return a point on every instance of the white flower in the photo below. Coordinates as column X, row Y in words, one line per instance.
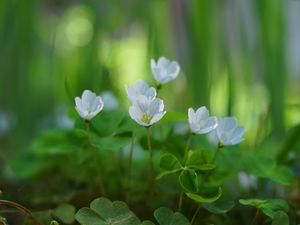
column 228, row 132
column 164, row 70
column 89, row 105
column 140, row 88
column 200, row 121
column 146, row 111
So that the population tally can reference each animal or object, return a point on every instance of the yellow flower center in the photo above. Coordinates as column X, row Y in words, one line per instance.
column 146, row 118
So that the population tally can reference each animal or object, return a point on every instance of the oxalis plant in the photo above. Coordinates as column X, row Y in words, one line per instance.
column 182, row 182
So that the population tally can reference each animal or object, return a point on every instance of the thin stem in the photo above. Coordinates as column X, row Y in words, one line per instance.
column 186, row 151
column 180, row 200
column 216, row 154
column 213, row 161
column 87, row 126
column 98, row 181
column 151, row 169
column 130, row 166
column 22, row 209
column 195, row 214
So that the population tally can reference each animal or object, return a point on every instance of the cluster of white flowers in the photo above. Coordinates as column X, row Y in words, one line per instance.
column 146, row 109
column 225, row 129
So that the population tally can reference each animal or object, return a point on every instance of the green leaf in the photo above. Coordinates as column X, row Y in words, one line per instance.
column 106, row 123
column 200, row 199
column 281, row 174
column 280, row 218
column 265, row 167
column 218, row 207
column 110, row 143
column 169, row 164
column 165, row 216
column 197, row 161
column 65, row 213
column 86, row 216
column 269, row 207
column 103, row 211
column 188, row 180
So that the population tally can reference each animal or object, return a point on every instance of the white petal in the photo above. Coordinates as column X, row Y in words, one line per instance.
column 238, row 132
column 78, row 103
column 156, row 106
column 157, row 117
column 87, row 98
column 202, row 113
column 192, row 120
column 209, row 125
column 163, row 62
column 173, row 70
column 143, row 103
column 136, row 115
column 229, row 123
column 213, row 137
column 153, row 64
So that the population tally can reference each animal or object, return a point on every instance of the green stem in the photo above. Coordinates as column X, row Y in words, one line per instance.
column 216, row 154
column 97, row 181
column 180, row 200
column 151, row 168
column 22, row 209
column 87, row 126
column 195, row 214
column 130, row 167
column 186, row 151
column 213, row 161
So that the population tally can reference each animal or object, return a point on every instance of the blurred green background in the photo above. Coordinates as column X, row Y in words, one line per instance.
column 238, row 57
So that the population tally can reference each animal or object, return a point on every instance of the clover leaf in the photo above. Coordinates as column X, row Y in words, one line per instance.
column 188, row 180
column 197, row 161
column 269, row 206
column 165, row 216
column 169, row 164
column 102, row 212
column 201, row 199
column 65, row 213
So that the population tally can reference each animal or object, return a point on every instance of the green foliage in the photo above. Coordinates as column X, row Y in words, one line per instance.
column 165, row 216
column 168, row 164
column 201, row 199
column 266, row 167
column 65, row 213
column 113, row 143
column 268, row 207
column 219, row 207
column 280, row 218
column 198, row 161
column 103, row 211
column 189, row 180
